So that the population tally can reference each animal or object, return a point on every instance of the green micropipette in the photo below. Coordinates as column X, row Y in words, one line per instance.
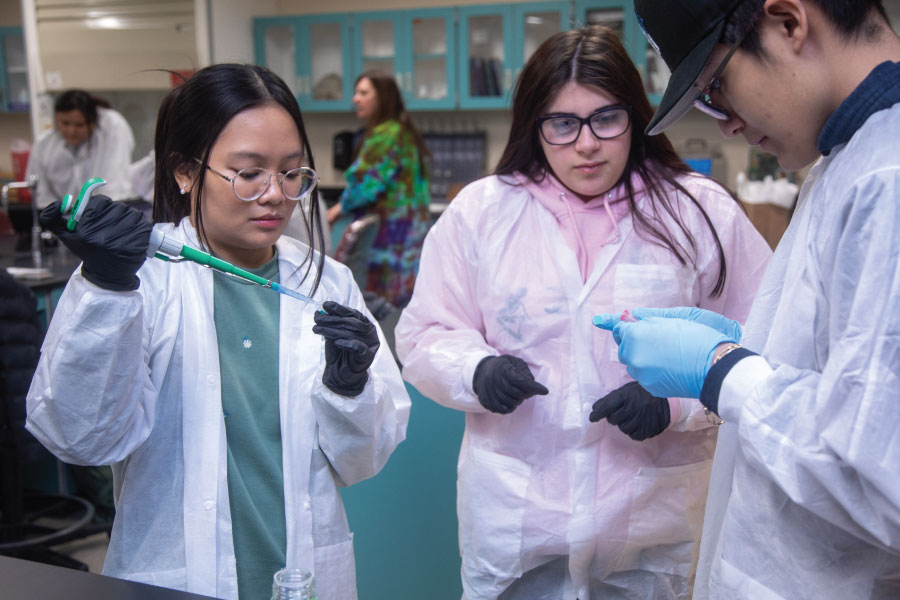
column 170, row 250
column 166, row 249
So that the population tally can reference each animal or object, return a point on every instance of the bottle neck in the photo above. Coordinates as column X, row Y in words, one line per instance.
column 293, row 584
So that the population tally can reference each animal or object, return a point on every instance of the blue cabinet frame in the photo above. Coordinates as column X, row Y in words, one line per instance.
column 404, row 57
column 513, row 28
column 459, row 92
column 635, row 43
column 303, row 57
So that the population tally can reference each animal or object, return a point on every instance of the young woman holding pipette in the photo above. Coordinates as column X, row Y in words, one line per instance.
column 228, row 426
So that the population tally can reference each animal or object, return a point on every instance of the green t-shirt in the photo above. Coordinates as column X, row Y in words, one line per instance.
column 246, row 317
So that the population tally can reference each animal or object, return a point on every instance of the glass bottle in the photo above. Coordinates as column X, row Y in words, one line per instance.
column 293, row 584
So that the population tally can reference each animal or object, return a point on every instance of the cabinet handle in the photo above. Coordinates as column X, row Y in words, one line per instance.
column 408, row 82
column 507, row 79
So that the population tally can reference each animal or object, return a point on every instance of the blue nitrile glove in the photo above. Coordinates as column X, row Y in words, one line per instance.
column 709, row 318
column 503, row 382
column 111, row 239
column 670, row 357
column 351, row 342
column 637, row 412
column 689, row 313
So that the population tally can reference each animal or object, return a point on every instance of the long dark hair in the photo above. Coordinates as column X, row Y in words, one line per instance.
column 389, row 105
column 594, row 56
column 191, row 118
column 81, row 101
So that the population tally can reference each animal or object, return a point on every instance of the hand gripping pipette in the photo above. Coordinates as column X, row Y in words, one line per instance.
column 170, row 250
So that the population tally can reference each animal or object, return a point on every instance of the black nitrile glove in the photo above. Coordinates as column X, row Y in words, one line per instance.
column 637, row 412
column 378, row 306
column 351, row 342
column 111, row 238
column 503, row 382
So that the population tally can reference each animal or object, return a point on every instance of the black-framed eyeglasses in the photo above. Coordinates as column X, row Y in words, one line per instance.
column 251, row 183
column 606, row 123
column 703, row 101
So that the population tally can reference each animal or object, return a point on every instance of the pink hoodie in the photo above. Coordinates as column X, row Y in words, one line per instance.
column 586, row 226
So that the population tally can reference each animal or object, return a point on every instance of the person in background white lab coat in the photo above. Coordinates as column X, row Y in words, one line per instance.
column 591, row 488
column 89, row 140
column 228, row 420
column 804, row 496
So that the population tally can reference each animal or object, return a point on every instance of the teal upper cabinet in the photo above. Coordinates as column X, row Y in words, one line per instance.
column 495, row 42
column 312, row 54
column 619, row 15
column 417, row 50
column 13, row 71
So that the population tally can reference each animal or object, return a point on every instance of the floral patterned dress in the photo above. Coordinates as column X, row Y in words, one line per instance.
column 387, row 179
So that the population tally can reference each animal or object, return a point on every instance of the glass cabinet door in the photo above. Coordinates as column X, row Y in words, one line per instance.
column 417, row 50
column 275, row 47
column 428, row 78
column 485, row 63
column 656, row 75
column 619, row 15
column 312, row 55
column 377, row 44
column 15, row 72
column 608, row 16
column 534, row 24
column 323, row 61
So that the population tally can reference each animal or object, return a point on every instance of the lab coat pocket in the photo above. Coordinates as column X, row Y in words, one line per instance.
column 667, row 518
column 175, row 579
column 492, row 505
column 336, row 571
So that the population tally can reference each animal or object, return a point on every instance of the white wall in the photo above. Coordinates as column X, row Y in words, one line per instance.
column 232, row 29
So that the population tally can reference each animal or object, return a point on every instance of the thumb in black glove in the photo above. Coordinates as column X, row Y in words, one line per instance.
column 637, row 412
column 111, row 239
column 351, row 342
column 503, row 382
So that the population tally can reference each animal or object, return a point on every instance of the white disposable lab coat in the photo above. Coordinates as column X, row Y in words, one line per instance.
column 804, row 498
column 497, row 277
column 106, row 154
column 131, row 379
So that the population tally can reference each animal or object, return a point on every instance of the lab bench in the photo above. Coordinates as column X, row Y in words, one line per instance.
column 26, row 579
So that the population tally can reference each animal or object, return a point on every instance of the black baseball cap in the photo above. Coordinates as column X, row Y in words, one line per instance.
column 684, row 32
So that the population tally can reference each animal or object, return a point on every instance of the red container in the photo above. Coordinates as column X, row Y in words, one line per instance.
column 19, row 167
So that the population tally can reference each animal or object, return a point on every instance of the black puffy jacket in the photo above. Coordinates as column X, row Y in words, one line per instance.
column 21, row 335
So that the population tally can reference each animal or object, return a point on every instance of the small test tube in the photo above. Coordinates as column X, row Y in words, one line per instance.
column 628, row 317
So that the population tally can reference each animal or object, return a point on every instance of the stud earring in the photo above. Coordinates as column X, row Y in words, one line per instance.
column 182, row 190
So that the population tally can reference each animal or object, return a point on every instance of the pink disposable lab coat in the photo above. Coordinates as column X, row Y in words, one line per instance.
column 498, row 276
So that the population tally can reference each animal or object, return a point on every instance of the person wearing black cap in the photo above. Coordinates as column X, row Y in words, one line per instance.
column 804, row 498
